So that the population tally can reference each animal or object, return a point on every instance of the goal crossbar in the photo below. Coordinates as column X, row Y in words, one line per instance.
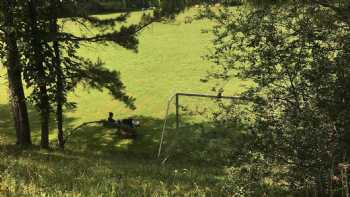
column 177, row 96
column 177, row 103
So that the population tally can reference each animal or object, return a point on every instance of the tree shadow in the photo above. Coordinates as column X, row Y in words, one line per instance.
column 179, row 145
column 7, row 129
column 95, row 140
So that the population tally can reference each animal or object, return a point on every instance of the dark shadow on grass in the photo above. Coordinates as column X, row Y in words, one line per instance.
column 7, row 130
column 95, row 140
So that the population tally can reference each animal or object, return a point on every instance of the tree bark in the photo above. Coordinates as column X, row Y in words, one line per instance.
column 38, row 60
column 59, row 82
column 59, row 97
column 14, row 73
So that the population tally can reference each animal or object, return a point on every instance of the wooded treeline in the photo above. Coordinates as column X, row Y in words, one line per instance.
column 40, row 56
column 296, row 54
column 100, row 6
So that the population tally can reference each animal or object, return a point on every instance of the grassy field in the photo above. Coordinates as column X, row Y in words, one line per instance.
column 97, row 161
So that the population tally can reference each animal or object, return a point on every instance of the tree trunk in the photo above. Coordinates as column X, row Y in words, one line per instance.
column 125, row 5
column 38, row 60
column 59, row 99
column 45, row 117
column 59, row 83
column 14, row 73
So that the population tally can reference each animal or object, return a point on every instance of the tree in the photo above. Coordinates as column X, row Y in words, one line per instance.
column 36, row 74
column 296, row 53
column 47, row 72
column 52, row 75
column 14, row 72
column 39, row 71
column 60, row 84
column 80, row 70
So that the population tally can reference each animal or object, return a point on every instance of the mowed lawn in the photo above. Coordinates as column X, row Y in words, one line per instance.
column 169, row 60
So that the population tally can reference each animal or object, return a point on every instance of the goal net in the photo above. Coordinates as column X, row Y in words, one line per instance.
column 201, row 127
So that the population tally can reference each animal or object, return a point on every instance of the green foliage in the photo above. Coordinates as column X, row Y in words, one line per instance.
column 99, row 78
column 296, row 53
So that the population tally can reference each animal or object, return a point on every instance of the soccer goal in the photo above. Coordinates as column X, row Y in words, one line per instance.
column 190, row 116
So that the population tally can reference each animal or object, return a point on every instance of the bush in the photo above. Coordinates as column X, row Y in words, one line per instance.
column 296, row 55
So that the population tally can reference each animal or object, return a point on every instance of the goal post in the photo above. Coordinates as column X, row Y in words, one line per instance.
column 178, row 102
column 178, row 95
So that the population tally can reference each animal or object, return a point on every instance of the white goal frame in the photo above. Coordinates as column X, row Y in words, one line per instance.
column 177, row 105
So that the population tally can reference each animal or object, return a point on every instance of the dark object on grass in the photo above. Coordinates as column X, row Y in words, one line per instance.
column 130, row 122
column 126, row 127
column 110, row 118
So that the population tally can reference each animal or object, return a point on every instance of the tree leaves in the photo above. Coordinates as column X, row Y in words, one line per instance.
column 296, row 53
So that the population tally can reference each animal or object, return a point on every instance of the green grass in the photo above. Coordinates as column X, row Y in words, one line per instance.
column 34, row 173
column 169, row 61
column 97, row 161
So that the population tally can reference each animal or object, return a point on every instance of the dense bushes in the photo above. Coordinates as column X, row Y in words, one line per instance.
column 297, row 55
